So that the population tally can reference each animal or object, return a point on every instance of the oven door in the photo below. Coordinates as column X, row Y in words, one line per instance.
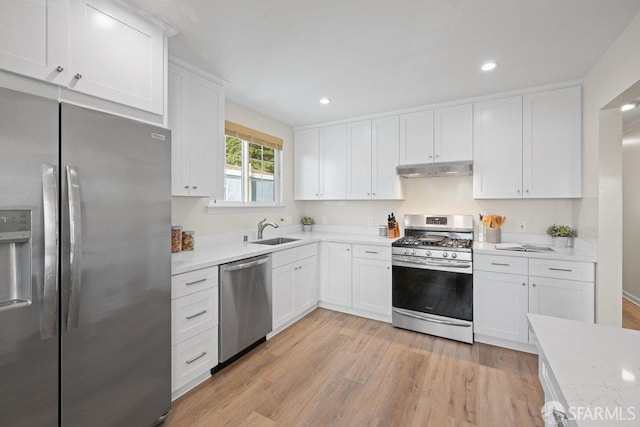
column 433, row 291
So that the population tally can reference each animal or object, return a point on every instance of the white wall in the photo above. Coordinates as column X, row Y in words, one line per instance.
column 631, row 212
column 599, row 214
column 191, row 212
column 446, row 195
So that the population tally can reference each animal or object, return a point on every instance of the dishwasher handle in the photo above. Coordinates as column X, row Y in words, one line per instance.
column 245, row 265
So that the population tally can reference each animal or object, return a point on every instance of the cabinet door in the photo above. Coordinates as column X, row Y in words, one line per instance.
column 416, row 137
column 305, row 284
column 306, row 164
column 386, row 183
column 500, row 304
column 372, row 285
column 562, row 298
column 333, row 170
column 336, row 273
column 283, row 288
column 453, row 140
column 359, row 160
column 33, row 38
column 497, row 149
column 178, row 105
column 207, row 148
column 116, row 55
column 552, row 143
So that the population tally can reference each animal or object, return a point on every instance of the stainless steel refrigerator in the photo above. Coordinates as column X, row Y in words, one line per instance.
column 85, row 268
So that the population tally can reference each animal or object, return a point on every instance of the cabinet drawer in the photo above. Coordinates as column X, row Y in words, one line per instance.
column 569, row 270
column 193, row 357
column 372, row 252
column 283, row 257
column 291, row 255
column 501, row 264
column 192, row 314
column 193, row 281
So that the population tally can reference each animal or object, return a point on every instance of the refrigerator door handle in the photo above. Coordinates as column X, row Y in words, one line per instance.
column 75, row 241
column 50, row 213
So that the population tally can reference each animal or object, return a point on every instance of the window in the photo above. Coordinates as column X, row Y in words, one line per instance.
column 252, row 168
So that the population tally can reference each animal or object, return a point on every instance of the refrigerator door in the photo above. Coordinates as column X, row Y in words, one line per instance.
column 28, row 322
column 116, row 270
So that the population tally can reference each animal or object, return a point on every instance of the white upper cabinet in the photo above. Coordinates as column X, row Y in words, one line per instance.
column 385, row 181
column 320, row 162
column 529, row 146
column 416, row 138
column 333, row 171
column 307, row 164
column 196, row 118
column 497, row 149
column 33, row 39
column 92, row 47
column 372, row 157
column 552, row 143
column 116, row 55
column 453, row 140
column 359, row 154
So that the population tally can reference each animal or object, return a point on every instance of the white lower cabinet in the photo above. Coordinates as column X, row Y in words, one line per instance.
column 336, row 273
column 550, row 287
column 293, row 283
column 356, row 279
column 500, row 304
column 194, row 328
column 372, row 279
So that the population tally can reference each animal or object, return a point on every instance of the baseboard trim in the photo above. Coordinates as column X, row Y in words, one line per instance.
column 500, row 342
column 632, row 298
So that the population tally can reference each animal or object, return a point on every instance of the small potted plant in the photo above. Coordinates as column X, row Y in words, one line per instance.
column 307, row 223
column 562, row 235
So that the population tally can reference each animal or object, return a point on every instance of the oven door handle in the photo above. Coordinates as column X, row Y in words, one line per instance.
column 426, row 265
column 431, row 319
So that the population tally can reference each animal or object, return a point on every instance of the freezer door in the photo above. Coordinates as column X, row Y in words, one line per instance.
column 116, row 270
column 28, row 323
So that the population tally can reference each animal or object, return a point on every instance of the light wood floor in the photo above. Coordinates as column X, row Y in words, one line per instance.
column 335, row 369
column 630, row 315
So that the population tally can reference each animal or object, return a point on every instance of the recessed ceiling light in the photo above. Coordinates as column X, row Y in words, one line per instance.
column 488, row 66
column 325, row 101
column 629, row 106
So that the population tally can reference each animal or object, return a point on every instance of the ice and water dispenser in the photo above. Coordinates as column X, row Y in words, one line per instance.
column 15, row 258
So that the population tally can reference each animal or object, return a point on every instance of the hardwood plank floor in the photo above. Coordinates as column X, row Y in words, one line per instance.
column 335, row 369
column 630, row 315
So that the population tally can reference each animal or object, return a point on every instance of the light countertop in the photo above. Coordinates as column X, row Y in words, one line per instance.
column 565, row 254
column 216, row 254
column 595, row 366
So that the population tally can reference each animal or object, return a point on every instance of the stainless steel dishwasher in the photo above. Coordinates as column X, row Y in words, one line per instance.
column 245, row 304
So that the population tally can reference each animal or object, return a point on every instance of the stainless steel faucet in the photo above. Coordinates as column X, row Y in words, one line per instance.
column 262, row 225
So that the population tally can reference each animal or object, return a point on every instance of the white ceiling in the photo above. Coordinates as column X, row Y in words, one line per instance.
column 372, row 56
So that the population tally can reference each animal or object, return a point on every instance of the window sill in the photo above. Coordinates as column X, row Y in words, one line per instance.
column 231, row 208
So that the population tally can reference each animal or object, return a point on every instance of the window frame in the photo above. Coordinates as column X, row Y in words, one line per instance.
column 217, row 204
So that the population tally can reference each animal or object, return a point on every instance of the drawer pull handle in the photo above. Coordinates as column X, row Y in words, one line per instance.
column 190, row 361
column 567, row 270
column 196, row 282
column 370, row 252
column 196, row 315
column 500, row 263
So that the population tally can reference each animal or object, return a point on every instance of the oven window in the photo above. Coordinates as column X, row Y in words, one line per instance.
column 435, row 292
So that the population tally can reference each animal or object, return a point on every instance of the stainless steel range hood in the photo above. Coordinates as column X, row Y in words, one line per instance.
column 428, row 170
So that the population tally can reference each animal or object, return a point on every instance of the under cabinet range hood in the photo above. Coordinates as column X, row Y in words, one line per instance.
column 428, row 170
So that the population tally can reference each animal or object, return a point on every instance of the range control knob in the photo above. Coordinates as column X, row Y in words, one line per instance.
column 444, row 255
column 405, row 251
column 428, row 253
column 454, row 255
column 413, row 252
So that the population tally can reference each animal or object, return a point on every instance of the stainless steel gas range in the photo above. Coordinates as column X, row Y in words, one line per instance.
column 432, row 276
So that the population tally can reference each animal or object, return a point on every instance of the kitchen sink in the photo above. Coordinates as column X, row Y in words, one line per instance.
column 276, row 241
